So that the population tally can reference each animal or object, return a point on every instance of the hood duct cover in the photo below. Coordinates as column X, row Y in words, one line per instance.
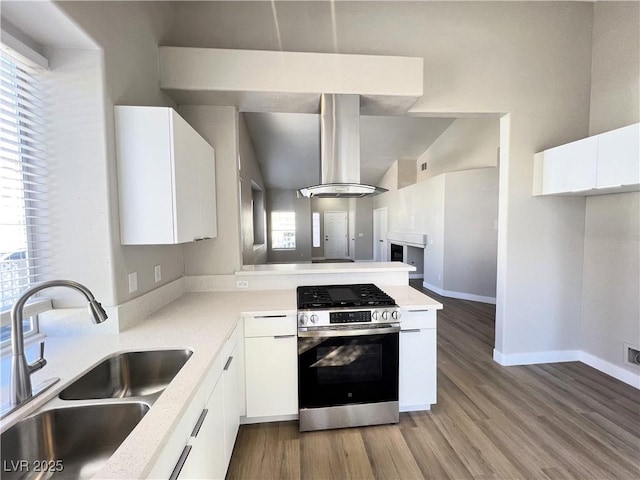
column 340, row 150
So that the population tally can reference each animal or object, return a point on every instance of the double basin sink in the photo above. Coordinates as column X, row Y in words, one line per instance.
column 74, row 435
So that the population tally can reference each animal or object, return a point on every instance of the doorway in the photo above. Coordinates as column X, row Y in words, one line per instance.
column 335, row 235
column 380, row 247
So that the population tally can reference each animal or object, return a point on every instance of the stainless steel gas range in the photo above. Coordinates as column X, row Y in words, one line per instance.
column 348, row 339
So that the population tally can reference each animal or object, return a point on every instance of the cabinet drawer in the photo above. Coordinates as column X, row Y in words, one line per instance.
column 412, row 319
column 270, row 326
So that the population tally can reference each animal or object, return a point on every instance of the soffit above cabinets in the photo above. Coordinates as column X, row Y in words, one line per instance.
column 268, row 81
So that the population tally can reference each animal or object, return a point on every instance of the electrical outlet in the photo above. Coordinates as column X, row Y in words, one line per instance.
column 632, row 354
column 157, row 273
column 133, row 282
column 242, row 283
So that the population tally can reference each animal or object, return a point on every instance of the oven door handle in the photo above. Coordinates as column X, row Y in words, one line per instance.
column 349, row 332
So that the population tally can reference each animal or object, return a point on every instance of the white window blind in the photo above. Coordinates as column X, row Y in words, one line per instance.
column 24, row 227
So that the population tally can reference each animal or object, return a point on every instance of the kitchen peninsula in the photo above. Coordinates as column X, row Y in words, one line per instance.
column 204, row 321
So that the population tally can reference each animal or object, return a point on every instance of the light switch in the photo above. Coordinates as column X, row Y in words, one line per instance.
column 157, row 273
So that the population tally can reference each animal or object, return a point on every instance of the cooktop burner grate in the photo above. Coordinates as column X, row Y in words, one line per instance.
column 333, row 296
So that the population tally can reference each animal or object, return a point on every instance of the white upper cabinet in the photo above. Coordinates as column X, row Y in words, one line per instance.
column 619, row 157
column 166, row 178
column 604, row 163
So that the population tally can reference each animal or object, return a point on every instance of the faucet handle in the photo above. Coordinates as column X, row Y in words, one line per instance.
column 40, row 362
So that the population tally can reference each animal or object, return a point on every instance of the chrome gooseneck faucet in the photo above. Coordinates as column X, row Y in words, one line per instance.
column 21, row 371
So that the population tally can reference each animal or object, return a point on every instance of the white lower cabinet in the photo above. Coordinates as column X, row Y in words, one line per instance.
column 209, row 448
column 232, row 401
column 271, row 362
column 418, row 367
column 206, row 458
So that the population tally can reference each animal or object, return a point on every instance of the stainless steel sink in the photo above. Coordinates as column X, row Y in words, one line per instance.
column 128, row 374
column 72, row 442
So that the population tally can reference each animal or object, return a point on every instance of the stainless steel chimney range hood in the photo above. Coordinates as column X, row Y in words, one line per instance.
column 340, row 150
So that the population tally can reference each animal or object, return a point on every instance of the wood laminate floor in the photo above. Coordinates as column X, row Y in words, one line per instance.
column 550, row 421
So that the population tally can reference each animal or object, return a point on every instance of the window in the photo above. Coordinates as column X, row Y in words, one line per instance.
column 23, row 195
column 283, row 230
column 315, row 228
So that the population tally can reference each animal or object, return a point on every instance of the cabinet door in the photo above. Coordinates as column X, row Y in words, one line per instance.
column 186, row 158
column 571, row 167
column 417, row 389
column 272, row 376
column 207, row 190
column 145, row 175
column 232, row 402
column 619, row 157
column 207, row 459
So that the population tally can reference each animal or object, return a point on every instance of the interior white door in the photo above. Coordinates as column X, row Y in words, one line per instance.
column 352, row 234
column 380, row 244
column 335, row 235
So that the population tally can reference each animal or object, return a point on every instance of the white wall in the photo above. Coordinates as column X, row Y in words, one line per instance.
column 250, row 172
column 471, row 233
column 610, row 305
column 120, row 67
column 364, row 228
column 615, row 69
column 419, row 208
column 529, row 59
column 221, row 255
column 287, row 200
column 78, row 191
column 128, row 34
column 458, row 212
column 468, row 143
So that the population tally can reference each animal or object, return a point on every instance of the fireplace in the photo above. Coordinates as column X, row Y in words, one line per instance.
column 409, row 248
column 397, row 252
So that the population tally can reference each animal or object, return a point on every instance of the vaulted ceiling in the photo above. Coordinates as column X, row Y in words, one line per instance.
column 287, row 145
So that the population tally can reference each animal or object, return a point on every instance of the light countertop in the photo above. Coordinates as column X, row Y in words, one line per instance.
column 199, row 321
column 318, row 268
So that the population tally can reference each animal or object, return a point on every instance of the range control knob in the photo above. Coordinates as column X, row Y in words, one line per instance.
column 385, row 315
column 314, row 318
column 395, row 314
column 302, row 319
column 375, row 315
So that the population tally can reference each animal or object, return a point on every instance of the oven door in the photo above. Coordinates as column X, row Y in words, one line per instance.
column 345, row 367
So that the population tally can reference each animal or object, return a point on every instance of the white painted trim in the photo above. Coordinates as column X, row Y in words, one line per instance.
column 275, row 418
column 532, row 358
column 558, row 356
column 36, row 306
column 415, row 408
column 459, row 295
column 612, row 370
column 416, row 275
column 23, row 53
column 411, row 239
column 502, row 282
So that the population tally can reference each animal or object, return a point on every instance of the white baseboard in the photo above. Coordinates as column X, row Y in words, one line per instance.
column 416, row 275
column 619, row 373
column 622, row 374
column 415, row 408
column 275, row 418
column 557, row 356
column 460, row 295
